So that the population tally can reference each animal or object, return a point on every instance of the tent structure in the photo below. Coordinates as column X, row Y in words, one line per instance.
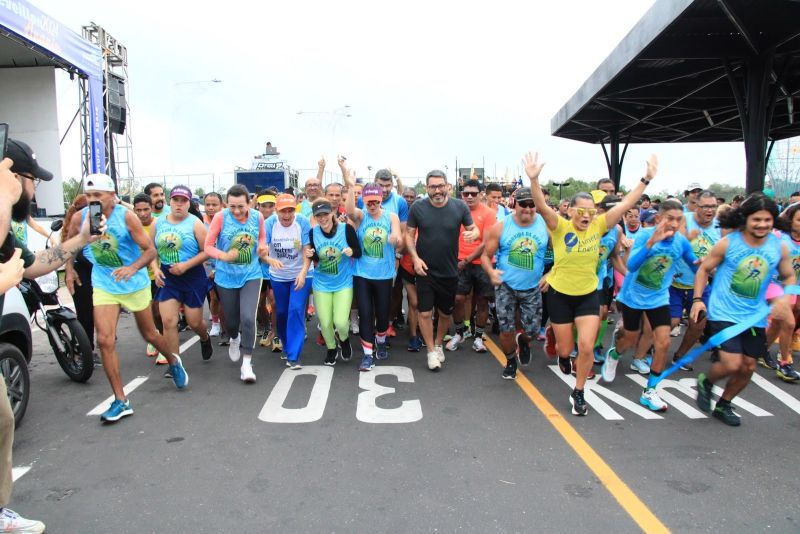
column 695, row 71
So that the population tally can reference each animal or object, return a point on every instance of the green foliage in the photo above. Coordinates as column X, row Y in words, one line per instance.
column 569, row 189
column 72, row 187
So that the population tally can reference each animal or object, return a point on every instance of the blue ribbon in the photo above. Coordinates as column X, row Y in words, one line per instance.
column 722, row 336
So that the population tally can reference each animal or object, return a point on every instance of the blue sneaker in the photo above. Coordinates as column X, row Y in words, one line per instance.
column 599, row 357
column 179, row 375
column 117, row 411
column 366, row 364
column 382, row 351
column 414, row 344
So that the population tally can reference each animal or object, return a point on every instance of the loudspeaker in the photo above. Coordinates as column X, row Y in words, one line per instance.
column 117, row 107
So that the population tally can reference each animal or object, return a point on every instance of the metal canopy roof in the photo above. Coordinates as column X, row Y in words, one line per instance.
column 667, row 81
column 16, row 52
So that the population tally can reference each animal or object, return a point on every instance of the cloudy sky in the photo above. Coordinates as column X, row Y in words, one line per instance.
column 426, row 82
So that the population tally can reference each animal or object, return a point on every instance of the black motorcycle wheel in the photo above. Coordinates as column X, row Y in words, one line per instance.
column 14, row 369
column 77, row 360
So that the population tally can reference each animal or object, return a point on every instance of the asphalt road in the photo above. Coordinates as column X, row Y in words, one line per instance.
column 457, row 450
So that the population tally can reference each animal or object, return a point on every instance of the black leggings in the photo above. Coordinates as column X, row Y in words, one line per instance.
column 83, row 296
column 374, row 303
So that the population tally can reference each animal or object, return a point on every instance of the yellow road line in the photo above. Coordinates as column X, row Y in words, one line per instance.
column 635, row 508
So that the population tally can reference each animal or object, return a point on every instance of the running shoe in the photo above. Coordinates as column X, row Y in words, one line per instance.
column 579, row 406
column 320, row 340
column 179, row 375
column 233, row 349
column 454, row 342
column 550, row 342
column 347, row 349
column 675, row 332
column 151, row 351
column 11, row 521
column 161, row 359
column 247, row 375
column 565, row 365
column 391, row 331
column 684, row 366
column 648, row 360
column 787, row 373
column 266, row 339
column 640, row 366
column 609, row 369
column 414, row 344
column 277, row 344
column 381, row 351
column 440, row 352
column 599, row 357
column 294, row 365
column 117, row 411
column 768, row 362
column 574, row 363
column 478, row 345
column 224, row 340
column 354, row 327
column 183, row 326
column 523, row 351
column 510, row 372
column 330, row 357
column 704, row 391
column 467, row 334
column 215, row 330
column 650, row 400
column 433, row 361
column 724, row 412
column 540, row 336
column 206, row 348
column 366, row 363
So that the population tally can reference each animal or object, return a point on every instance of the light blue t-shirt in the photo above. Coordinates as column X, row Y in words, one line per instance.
column 377, row 255
column 334, row 271
column 243, row 237
column 520, row 253
column 176, row 243
column 701, row 244
column 607, row 244
column 794, row 252
column 646, row 285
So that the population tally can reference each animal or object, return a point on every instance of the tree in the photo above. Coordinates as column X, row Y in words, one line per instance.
column 200, row 192
column 72, row 187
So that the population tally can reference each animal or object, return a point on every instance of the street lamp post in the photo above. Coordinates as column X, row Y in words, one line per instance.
column 560, row 186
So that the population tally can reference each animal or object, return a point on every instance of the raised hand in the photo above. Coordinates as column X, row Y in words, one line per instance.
column 533, row 167
column 652, row 167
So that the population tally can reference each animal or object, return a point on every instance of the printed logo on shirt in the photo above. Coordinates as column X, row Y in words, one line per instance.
column 329, row 258
column 570, row 240
column 523, row 249
column 374, row 240
column 104, row 251
column 605, row 252
column 750, row 274
column 19, row 231
column 169, row 244
column 651, row 273
column 796, row 266
column 243, row 244
column 702, row 245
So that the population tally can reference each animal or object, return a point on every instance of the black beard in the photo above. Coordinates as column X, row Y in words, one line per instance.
column 159, row 205
column 22, row 209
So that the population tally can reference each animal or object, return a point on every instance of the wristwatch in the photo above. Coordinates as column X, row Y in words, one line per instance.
column 645, row 181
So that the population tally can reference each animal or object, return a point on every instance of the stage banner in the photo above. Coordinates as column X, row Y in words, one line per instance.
column 29, row 24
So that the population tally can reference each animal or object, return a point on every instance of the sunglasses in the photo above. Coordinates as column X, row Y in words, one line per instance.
column 526, row 204
column 591, row 212
column 373, row 203
column 470, row 193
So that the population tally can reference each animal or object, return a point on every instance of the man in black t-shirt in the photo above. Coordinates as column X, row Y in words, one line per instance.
column 432, row 232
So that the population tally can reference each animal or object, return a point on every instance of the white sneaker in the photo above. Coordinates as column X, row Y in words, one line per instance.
column 640, row 366
column 354, row 322
column 215, row 329
column 11, row 521
column 478, row 345
column 651, row 400
column 676, row 332
column 433, row 361
column 440, row 352
column 454, row 342
column 233, row 348
column 247, row 375
column 609, row 369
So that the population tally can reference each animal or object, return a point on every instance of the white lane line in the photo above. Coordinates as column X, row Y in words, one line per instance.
column 103, row 406
column 191, row 341
column 19, row 472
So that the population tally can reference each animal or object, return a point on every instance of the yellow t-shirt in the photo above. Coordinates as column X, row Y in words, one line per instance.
column 575, row 256
column 149, row 230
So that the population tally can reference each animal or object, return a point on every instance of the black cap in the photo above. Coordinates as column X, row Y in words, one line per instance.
column 523, row 193
column 322, row 206
column 608, row 202
column 25, row 160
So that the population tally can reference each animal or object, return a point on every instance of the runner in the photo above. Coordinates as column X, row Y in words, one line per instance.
column 213, row 204
column 520, row 242
column 119, row 278
column 745, row 261
column 431, row 237
column 265, row 201
column 470, row 274
column 378, row 233
column 156, row 193
column 332, row 244
column 572, row 295
column 790, row 218
column 235, row 235
column 181, row 277
column 652, row 262
column 287, row 236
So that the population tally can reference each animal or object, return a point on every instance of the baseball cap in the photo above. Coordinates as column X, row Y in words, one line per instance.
column 98, row 182
column 181, row 191
column 608, row 202
column 523, row 193
column 321, row 206
column 648, row 216
column 598, row 195
column 284, row 201
column 372, row 192
column 25, row 160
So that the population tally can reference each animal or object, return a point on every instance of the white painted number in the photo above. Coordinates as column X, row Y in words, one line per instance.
column 273, row 410
column 367, row 411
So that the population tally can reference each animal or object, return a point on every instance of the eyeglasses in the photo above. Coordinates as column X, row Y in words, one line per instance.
column 470, row 193
column 31, row 177
column 707, row 207
column 591, row 212
column 526, row 204
column 436, row 186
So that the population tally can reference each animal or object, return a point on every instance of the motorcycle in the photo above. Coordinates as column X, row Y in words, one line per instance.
column 71, row 345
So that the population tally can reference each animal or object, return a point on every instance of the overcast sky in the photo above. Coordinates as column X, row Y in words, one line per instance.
column 426, row 82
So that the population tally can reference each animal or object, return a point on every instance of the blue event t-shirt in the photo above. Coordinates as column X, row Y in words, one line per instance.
column 176, row 243
column 377, row 255
column 243, row 237
column 646, row 285
column 334, row 270
column 520, row 253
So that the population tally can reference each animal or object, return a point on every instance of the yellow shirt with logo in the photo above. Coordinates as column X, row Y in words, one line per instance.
column 575, row 256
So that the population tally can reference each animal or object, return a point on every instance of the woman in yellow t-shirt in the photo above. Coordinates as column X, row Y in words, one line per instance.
column 572, row 298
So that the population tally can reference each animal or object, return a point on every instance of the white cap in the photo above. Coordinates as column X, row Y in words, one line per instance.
column 98, row 182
